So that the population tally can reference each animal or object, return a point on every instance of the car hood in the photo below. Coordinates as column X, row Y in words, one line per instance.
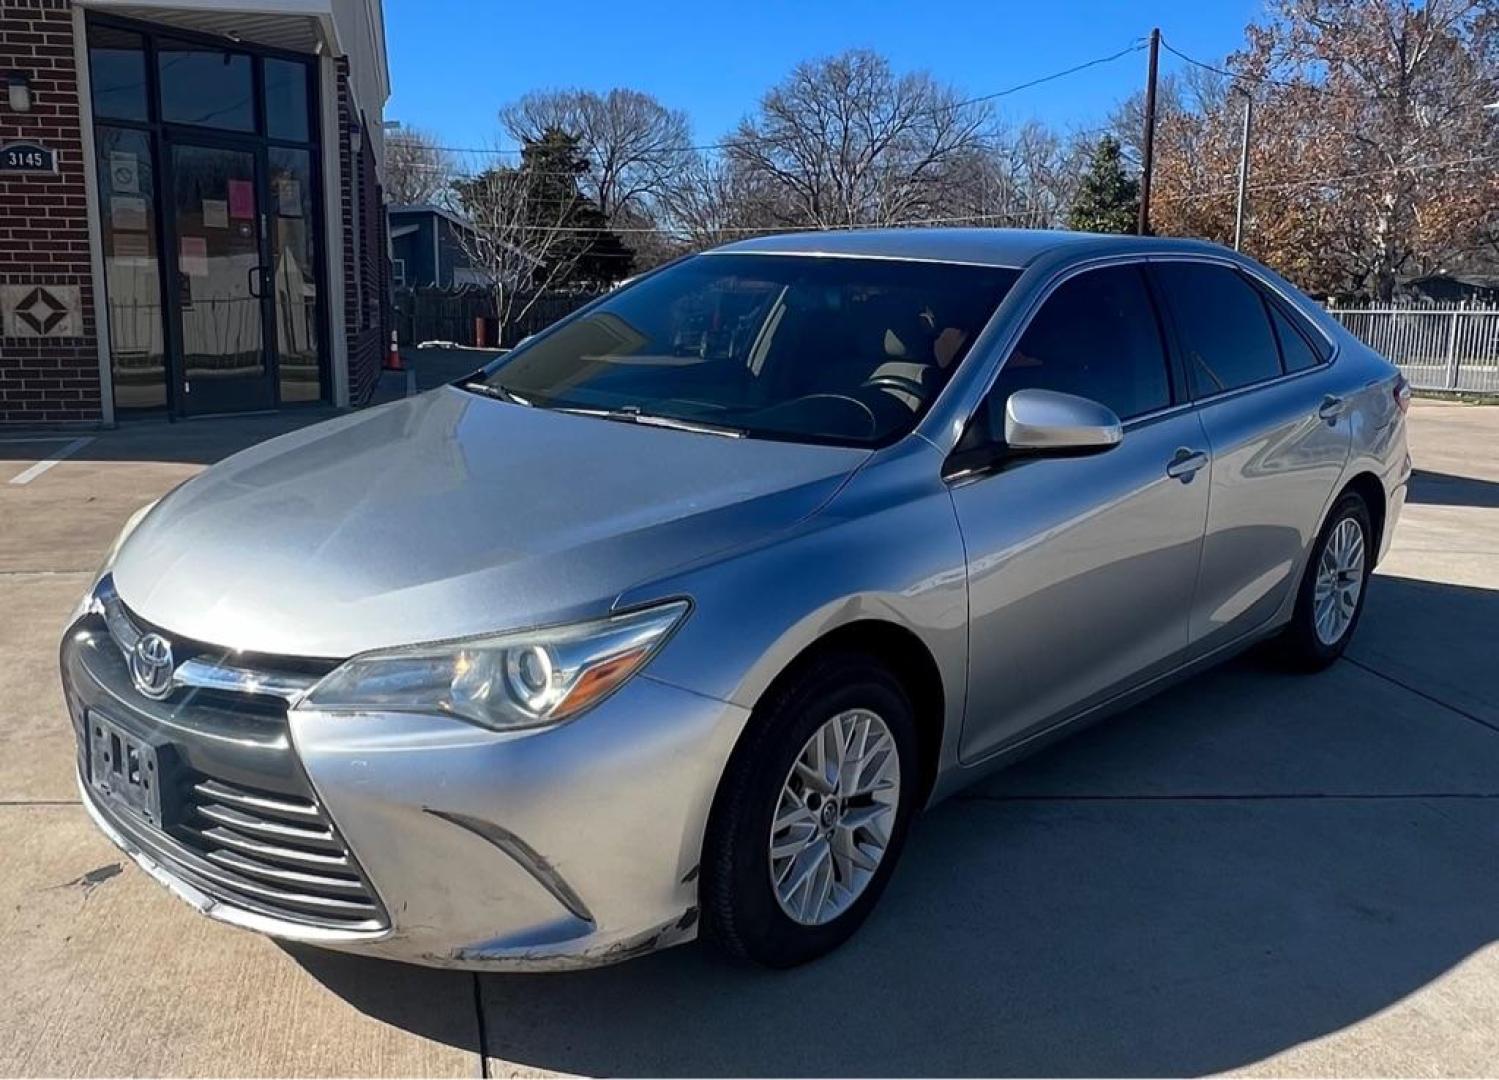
column 448, row 515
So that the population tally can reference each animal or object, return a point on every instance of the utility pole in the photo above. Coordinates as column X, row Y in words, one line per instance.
column 1243, row 170
column 1147, row 163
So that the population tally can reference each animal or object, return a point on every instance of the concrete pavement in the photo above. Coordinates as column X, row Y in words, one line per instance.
column 1254, row 872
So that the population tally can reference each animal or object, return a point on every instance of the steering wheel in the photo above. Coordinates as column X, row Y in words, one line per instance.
column 899, row 384
column 850, row 408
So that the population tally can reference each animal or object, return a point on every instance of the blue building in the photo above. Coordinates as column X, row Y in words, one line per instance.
column 426, row 249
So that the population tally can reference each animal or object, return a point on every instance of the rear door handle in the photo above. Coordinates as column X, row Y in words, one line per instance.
column 1186, row 464
column 1331, row 408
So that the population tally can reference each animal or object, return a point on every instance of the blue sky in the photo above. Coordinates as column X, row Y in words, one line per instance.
column 454, row 62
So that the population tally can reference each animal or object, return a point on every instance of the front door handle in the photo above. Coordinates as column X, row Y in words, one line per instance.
column 1186, row 464
column 1331, row 408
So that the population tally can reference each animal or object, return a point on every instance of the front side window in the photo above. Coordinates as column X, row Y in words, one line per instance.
column 1096, row 336
column 815, row 349
column 1226, row 337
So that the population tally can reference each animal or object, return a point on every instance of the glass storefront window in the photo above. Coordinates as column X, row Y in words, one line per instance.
column 294, row 273
column 211, row 261
column 117, row 73
column 132, row 278
column 204, row 85
column 286, row 99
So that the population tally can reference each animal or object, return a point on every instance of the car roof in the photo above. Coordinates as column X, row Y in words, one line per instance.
column 1015, row 248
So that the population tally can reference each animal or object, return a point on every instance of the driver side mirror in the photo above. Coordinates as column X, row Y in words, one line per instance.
column 1034, row 423
column 1050, row 422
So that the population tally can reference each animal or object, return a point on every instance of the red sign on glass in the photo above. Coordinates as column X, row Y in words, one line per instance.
column 241, row 199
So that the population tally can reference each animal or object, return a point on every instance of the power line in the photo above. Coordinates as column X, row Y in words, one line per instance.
column 1013, row 216
column 1319, row 181
column 728, row 144
column 1291, row 84
column 749, row 230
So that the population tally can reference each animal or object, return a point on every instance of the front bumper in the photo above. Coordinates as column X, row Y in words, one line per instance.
column 565, row 847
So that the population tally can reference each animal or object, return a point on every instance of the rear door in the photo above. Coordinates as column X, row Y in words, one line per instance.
column 1081, row 569
column 1278, row 434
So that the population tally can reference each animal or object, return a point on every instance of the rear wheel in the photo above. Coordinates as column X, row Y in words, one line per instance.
column 811, row 815
column 1331, row 596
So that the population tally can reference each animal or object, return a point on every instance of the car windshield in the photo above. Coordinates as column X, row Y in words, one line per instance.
column 814, row 349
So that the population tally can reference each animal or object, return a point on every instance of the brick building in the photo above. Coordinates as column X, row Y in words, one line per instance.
column 191, row 218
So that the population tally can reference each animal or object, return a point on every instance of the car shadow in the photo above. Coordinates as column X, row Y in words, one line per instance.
column 1445, row 489
column 1247, row 862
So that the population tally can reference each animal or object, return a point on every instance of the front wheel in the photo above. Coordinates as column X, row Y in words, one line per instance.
column 1331, row 597
column 812, row 814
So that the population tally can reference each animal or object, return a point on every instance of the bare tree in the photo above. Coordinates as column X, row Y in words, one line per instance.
column 417, row 169
column 633, row 143
column 713, row 200
column 847, row 142
column 520, row 236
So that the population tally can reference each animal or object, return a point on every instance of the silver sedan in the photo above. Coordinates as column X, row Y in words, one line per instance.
column 667, row 622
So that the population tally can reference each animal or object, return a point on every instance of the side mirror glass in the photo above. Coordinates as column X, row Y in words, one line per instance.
column 1047, row 421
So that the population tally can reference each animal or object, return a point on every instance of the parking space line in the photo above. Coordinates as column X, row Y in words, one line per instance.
column 28, row 475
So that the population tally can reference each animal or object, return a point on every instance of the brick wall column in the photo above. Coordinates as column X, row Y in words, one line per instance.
column 44, row 228
column 364, row 259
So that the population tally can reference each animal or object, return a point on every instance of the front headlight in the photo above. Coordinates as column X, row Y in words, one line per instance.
column 518, row 680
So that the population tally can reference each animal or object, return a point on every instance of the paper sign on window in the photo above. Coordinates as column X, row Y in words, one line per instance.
column 192, row 256
column 288, row 197
column 127, row 213
column 124, row 172
column 215, row 214
column 241, row 199
column 131, row 246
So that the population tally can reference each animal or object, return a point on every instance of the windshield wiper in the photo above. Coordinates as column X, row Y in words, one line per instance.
column 499, row 393
column 635, row 416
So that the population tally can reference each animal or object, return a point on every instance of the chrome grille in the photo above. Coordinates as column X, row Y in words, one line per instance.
column 277, row 851
column 239, row 819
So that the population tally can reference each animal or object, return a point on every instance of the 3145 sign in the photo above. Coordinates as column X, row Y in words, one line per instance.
column 27, row 157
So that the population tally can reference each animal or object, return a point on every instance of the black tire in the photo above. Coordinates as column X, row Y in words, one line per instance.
column 741, row 914
column 1299, row 644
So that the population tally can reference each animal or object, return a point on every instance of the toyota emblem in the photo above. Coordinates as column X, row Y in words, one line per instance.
column 151, row 666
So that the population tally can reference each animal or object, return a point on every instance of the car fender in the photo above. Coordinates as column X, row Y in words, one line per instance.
column 887, row 548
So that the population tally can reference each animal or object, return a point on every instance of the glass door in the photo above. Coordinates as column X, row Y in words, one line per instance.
column 221, row 304
column 293, row 274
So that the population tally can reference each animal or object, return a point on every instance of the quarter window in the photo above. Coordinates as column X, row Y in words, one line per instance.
column 1225, row 334
column 1296, row 351
column 1096, row 336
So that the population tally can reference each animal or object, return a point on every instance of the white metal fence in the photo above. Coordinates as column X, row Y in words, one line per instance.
column 1437, row 347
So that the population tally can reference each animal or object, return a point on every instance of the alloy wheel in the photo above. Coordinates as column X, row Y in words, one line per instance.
column 834, row 817
column 1340, row 581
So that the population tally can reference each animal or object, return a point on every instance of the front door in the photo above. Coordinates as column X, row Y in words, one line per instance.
column 221, row 306
column 1081, row 570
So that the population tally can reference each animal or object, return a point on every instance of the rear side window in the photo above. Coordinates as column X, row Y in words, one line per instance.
column 1295, row 351
column 1225, row 332
column 1096, row 336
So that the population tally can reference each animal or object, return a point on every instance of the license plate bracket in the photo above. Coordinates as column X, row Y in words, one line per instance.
column 124, row 768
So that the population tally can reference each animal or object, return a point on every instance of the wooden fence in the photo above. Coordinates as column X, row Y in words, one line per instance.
column 437, row 314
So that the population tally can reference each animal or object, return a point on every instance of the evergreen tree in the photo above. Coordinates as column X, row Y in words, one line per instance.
column 534, row 223
column 1108, row 199
column 590, row 252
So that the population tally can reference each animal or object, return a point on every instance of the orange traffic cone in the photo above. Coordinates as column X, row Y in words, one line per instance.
column 393, row 358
